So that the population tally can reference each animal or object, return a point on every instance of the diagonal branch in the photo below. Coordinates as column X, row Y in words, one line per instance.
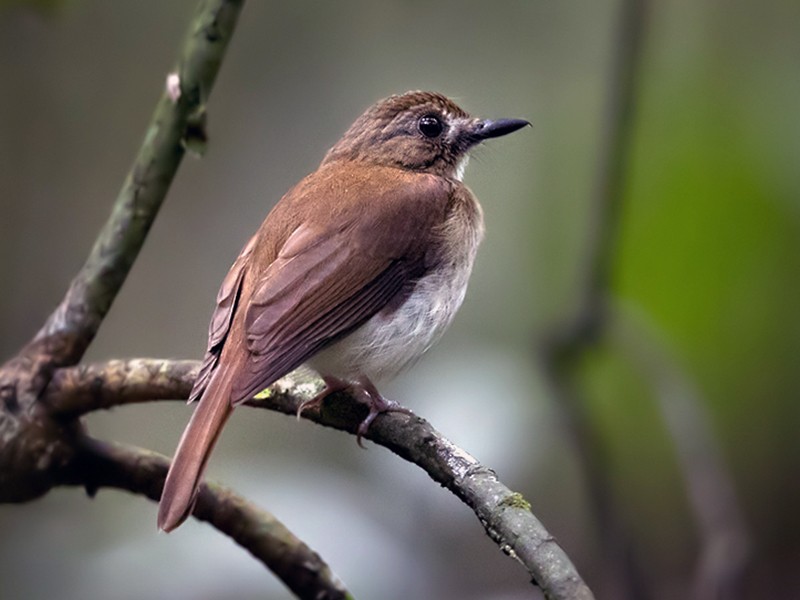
column 505, row 515
column 34, row 447
column 101, row 464
column 180, row 110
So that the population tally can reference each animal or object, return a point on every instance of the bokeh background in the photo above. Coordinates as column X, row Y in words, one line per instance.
column 706, row 282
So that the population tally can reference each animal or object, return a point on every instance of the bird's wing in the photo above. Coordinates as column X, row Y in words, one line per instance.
column 227, row 299
column 329, row 278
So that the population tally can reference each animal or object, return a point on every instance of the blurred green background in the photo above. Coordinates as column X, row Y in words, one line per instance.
column 707, row 265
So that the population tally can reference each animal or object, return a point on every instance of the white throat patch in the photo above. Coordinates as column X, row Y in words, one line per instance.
column 461, row 167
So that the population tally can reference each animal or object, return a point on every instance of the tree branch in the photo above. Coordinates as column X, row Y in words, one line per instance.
column 505, row 515
column 41, row 428
column 35, row 447
column 78, row 390
column 100, row 464
column 179, row 112
column 715, row 508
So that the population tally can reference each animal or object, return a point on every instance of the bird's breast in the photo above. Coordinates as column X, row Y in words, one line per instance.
column 395, row 337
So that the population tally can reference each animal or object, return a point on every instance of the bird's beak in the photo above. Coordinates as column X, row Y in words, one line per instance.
column 487, row 128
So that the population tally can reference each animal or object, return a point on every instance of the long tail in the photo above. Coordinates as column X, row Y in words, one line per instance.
column 197, row 442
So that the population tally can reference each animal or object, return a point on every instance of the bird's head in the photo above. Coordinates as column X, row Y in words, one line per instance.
column 418, row 131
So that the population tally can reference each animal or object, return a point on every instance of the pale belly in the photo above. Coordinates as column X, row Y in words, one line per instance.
column 393, row 339
column 390, row 342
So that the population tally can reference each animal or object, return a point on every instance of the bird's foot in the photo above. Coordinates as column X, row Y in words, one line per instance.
column 368, row 393
column 363, row 390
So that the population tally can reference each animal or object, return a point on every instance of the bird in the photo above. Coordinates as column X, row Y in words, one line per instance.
column 355, row 272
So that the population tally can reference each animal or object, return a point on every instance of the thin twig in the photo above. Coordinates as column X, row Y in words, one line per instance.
column 102, row 464
column 506, row 515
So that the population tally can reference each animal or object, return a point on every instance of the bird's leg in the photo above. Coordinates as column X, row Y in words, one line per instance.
column 367, row 392
column 332, row 385
column 363, row 390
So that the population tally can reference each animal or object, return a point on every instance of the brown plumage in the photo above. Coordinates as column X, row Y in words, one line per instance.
column 356, row 271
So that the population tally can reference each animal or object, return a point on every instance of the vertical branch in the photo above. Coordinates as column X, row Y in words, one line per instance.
column 607, row 194
column 77, row 319
column 563, row 351
column 35, row 446
column 718, row 517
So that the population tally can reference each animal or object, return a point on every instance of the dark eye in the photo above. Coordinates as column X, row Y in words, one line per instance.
column 430, row 126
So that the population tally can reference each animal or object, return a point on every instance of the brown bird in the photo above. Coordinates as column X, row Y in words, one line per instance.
column 357, row 271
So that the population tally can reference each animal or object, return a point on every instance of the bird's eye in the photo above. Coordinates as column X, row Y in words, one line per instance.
column 430, row 126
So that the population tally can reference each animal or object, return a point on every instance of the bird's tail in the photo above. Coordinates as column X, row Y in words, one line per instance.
column 197, row 442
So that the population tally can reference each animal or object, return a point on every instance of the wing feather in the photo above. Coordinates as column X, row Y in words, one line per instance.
column 340, row 290
column 221, row 319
